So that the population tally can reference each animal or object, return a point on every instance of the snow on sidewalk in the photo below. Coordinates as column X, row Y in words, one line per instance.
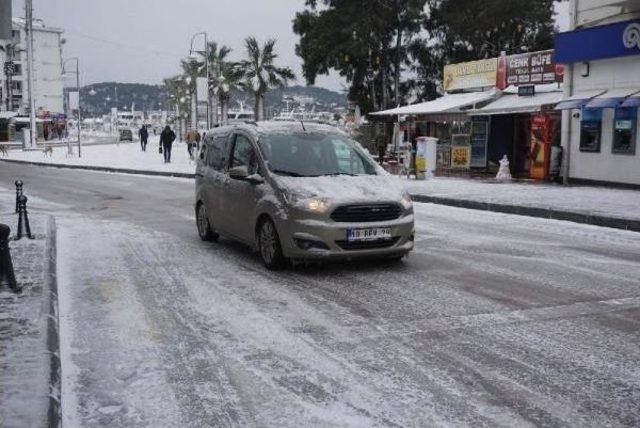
column 25, row 363
column 124, row 155
column 592, row 200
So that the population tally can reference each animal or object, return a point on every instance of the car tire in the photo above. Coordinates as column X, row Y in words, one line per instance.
column 205, row 231
column 269, row 246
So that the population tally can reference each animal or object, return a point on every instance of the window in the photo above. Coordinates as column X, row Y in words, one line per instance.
column 624, row 131
column 243, row 154
column 590, row 130
column 217, row 151
column 310, row 154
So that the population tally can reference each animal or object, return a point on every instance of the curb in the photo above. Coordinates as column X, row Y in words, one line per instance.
column 549, row 213
column 105, row 169
column 54, row 412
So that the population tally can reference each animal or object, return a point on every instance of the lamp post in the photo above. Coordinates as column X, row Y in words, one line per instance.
column 77, row 73
column 208, row 76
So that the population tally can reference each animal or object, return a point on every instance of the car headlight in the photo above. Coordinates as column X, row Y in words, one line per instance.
column 318, row 205
column 406, row 202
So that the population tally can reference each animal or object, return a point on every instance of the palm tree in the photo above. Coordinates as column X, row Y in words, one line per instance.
column 192, row 69
column 261, row 74
column 225, row 76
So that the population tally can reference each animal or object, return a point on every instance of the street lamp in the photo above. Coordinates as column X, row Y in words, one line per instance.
column 77, row 73
column 206, row 66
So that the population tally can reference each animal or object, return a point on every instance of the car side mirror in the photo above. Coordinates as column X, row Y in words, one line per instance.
column 239, row 172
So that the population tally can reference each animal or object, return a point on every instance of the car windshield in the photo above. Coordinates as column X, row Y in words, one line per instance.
column 309, row 154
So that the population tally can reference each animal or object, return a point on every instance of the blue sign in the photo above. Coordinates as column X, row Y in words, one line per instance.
column 604, row 41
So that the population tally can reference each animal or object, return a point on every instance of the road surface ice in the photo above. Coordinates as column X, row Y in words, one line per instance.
column 494, row 320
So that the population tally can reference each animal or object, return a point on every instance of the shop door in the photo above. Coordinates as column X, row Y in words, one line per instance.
column 521, row 147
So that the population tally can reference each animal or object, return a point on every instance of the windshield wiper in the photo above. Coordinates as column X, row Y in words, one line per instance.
column 339, row 173
column 288, row 173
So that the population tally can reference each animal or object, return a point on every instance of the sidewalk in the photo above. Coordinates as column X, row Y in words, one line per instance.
column 29, row 365
column 600, row 206
column 125, row 157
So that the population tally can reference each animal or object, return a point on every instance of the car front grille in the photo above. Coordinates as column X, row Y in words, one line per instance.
column 368, row 245
column 366, row 213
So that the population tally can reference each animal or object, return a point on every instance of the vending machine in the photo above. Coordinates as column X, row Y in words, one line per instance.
column 540, row 149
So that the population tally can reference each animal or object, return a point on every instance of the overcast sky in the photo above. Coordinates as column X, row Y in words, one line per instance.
column 142, row 41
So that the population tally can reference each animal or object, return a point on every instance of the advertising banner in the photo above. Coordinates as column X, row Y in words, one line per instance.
column 74, row 100
column 460, row 156
column 202, row 89
column 473, row 74
column 532, row 68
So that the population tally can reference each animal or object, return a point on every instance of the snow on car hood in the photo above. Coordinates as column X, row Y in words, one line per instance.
column 344, row 188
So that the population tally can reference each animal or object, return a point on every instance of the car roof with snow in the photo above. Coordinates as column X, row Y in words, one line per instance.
column 276, row 127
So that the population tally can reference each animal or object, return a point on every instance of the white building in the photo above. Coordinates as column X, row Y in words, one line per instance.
column 47, row 75
column 601, row 125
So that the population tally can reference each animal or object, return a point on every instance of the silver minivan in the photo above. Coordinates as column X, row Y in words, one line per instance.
column 299, row 191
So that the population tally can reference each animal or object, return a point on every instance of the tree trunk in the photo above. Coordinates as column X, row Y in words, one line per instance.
column 397, row 66
column 385, row 89
column 224, row 109
column 259, row 107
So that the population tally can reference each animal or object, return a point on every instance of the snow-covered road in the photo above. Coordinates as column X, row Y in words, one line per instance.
column 493, row 320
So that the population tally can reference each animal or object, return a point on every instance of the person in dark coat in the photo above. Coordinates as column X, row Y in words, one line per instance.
column 144, row 136
column 167, row 137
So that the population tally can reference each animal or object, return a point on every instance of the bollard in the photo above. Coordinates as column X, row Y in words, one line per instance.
column 6, row 266
column 18, row 192
column 23, row 217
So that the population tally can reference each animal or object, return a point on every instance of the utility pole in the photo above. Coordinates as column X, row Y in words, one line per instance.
column 28, row 4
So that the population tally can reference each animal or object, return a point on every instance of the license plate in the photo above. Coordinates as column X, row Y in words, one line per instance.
column 371, row 234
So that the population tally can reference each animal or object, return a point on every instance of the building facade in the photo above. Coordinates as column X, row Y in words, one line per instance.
column 47, row 73
column 600, row 121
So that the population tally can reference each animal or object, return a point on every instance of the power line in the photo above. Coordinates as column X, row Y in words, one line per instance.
column 127, row 45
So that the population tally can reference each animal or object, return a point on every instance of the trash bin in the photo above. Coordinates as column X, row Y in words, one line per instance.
column 426, row 155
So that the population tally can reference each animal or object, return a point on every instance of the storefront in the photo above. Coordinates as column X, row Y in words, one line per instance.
column 445, row 118
column 601, row 124
column 525, row 128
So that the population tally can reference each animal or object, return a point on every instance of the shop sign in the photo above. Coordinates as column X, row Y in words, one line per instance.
column 460, row 156
column 527, row 91
column 604, row 41
column 532, row 68
column 473, row 74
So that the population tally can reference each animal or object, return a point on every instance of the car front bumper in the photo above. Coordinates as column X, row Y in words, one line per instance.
column 329, row 239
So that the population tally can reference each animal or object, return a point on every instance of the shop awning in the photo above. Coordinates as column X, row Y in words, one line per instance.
column 632, row 101
column 578, row 100
column 612, row 98
column 510, row 104
column 449, row 103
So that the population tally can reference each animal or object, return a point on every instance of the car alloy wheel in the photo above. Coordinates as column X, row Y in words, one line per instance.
column 269, row 246
column 202, row 222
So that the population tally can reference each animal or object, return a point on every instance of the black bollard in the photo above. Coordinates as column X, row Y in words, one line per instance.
column 23, row 217
column 18, row 192
column 6, row 266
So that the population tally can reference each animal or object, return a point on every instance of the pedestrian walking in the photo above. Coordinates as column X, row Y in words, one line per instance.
column 144, row 136
column 381, row 142
column 193, row 140
column 167, row 137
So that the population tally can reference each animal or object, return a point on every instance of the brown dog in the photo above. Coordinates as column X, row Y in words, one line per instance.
column 3, row 151
column 48, row 151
